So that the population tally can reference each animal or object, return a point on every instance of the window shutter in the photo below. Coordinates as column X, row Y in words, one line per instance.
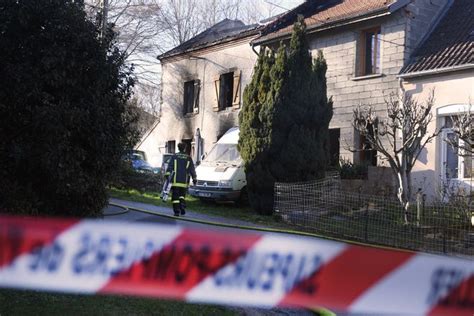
column 215, row 106
column 236, row 89
column 197, row 88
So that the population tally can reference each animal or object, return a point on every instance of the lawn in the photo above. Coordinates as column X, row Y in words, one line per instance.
column 16, row 302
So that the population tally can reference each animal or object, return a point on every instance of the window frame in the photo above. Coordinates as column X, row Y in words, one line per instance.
column 233, row 95
column 444, row 151
column 191, row 101
column 376, row 59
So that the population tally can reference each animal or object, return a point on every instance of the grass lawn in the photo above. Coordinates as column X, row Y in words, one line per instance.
column 228, row 210
column 16, row 302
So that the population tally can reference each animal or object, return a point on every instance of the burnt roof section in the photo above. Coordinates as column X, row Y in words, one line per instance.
column 322, row 12
column 224, row 31
column 449, row 44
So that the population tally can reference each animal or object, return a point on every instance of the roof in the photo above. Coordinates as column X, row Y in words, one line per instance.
column 323, row 12
column 224, row 31
column 450, row 44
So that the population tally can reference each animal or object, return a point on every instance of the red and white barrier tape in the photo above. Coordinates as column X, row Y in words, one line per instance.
column 229, row 268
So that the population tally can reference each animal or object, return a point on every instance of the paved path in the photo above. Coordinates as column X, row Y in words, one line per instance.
column 143, row 217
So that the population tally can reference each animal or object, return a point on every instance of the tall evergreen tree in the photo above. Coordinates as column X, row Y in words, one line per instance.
column 292, row 135
column 254, row 133
column 64, row 121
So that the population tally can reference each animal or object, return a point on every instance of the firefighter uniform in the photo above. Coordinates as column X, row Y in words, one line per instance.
column 183, row 168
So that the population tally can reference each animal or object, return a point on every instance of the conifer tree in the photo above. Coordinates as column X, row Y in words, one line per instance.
column 253, row 141
column 293, row 117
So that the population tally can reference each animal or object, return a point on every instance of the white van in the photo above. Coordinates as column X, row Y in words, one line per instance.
column 221, row 176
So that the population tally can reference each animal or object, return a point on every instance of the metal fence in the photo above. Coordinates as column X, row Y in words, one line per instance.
column 324, row 207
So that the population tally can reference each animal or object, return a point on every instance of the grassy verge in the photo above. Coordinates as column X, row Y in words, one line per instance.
column 15, row 302
column 228, row 210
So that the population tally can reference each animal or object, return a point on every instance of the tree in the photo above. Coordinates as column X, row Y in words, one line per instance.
column 254, row 121
column 289, row 140
column 63, row 115
column 399, row 138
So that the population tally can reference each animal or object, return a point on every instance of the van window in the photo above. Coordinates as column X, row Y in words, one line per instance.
column 224, row 153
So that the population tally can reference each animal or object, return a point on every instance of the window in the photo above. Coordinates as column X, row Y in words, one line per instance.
column 191, row 97
column 227, row 89
column 369, row 52
column 367, row 155
column 457, row 163
column 170, row 147
column 187, row 142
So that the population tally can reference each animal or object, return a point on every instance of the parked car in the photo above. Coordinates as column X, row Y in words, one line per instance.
column 137, row 158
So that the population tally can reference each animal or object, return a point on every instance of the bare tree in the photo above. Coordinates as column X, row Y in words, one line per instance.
column 399, row 138
column 148, row 28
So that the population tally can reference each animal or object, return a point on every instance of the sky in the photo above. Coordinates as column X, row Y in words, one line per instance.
column 289, row 4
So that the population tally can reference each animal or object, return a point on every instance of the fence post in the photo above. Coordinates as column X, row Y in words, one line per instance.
column 366, row 233
column 444, row 223
column 419, row 201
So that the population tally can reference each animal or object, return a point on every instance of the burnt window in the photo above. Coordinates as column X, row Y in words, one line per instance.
column 369, row 52
column 227, row 91
column 170, row 147
column 191, row 97
column 187, row 142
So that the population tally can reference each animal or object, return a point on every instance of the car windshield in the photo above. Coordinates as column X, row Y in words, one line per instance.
column 224, row 153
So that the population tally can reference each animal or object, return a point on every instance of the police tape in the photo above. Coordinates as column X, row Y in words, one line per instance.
column 221, row 267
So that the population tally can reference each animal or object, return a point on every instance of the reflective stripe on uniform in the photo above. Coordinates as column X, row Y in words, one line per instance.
column 175, row 170
column 180, row 185
column 181, row 197
column 176, row 202
column 187, row 176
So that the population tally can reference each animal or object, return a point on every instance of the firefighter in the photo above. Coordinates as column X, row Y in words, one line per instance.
column 183, row 168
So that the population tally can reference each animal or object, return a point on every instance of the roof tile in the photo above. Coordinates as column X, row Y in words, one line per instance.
column 450, row 43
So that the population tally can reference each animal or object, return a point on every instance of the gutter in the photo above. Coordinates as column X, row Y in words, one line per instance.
column 435, row 71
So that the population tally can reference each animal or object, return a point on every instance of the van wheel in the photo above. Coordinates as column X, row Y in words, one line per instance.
column 243, row 198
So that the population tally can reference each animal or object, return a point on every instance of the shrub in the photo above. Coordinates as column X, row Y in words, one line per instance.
column 127, row 178
column 350, row 170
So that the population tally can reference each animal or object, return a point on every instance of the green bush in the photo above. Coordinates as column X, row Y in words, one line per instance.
column 64, row 119
column 127, row 178
column 350, row 170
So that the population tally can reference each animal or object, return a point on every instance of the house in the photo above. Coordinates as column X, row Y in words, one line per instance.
column 444, row 62
column 202, row 85
column 366, row 44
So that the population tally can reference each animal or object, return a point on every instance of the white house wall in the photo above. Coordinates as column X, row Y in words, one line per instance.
column 456, row 88
column 203, row 66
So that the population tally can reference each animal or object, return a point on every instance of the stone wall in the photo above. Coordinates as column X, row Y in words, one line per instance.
column 380, row 181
